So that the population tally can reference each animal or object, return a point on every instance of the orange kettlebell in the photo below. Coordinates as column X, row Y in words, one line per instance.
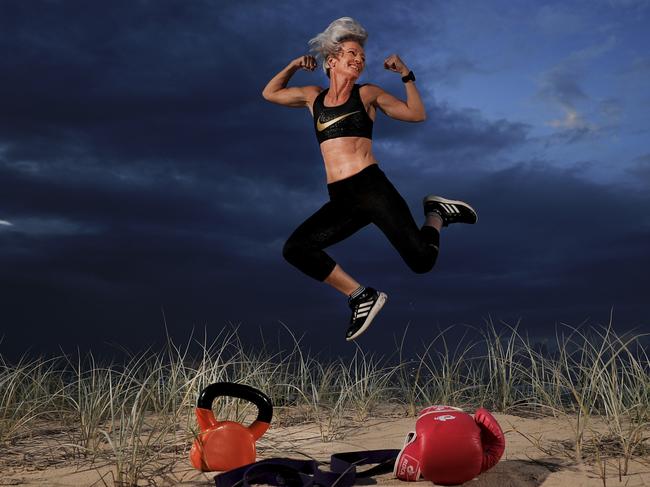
column 224, row 445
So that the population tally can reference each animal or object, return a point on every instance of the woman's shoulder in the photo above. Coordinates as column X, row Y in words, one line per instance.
column 312, row 91
column 313, row 88
column 370, row 91
column 369, row 87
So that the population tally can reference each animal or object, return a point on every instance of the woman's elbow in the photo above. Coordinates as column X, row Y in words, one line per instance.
column 415, row 118
column 269, row 92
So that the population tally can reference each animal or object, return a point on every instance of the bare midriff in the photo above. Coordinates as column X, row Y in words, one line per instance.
column 346, row 156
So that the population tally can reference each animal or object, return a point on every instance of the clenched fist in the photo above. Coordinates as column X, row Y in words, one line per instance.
column 395, row 64
column 308, row 63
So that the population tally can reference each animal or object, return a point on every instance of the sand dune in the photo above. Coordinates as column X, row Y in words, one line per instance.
column 534, row 457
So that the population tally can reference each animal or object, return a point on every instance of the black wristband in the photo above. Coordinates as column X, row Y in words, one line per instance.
column 408, row 77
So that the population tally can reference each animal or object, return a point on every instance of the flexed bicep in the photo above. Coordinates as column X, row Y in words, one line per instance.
column 297, row 97
column 396, row 108
column 276, row 90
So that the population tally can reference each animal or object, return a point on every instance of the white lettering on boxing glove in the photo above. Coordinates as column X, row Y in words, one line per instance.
column 444, row 417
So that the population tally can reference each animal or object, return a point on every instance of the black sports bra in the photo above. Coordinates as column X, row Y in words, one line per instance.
column 347, row 120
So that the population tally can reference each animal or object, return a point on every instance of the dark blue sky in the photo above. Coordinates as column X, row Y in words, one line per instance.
column 141, row 169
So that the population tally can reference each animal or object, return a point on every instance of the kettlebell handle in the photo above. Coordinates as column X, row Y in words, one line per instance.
column 241, row 391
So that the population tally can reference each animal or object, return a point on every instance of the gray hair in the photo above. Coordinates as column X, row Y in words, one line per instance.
column 327, row 43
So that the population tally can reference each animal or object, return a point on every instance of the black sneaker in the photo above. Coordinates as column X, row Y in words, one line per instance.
column 451, row 211
column 364, row 308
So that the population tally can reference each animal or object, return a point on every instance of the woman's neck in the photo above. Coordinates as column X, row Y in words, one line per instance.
column 340, row 89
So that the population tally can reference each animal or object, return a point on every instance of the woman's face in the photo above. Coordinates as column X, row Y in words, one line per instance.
column 351, row 59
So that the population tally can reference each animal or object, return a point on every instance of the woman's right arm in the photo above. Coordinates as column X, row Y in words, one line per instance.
column 276, row 90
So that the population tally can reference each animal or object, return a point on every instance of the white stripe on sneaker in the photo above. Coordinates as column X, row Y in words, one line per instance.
column 376, row 306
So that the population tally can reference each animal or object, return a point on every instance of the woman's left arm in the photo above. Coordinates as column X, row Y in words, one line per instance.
column 412, row 110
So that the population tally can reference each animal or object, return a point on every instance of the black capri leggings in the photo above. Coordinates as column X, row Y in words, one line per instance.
column 366, row 197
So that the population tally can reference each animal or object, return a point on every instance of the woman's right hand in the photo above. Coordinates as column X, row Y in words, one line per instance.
column 308, row 63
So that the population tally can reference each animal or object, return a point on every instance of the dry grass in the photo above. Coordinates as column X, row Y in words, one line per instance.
column 138, row 416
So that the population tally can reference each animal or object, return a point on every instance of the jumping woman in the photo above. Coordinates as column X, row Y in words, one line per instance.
column 359, row 191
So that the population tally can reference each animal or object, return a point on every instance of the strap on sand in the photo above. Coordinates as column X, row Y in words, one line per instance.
column 287, row 472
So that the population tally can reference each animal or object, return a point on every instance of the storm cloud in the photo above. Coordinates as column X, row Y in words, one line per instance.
column 141, row 171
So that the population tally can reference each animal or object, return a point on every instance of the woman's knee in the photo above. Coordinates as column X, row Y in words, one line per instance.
column 309, row 259
column 423, row 264
column 422, row 267
column 292, row 250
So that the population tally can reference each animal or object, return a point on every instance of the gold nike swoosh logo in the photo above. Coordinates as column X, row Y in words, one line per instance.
column 320, row 126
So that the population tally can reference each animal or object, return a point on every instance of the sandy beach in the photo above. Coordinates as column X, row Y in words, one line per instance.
column 536, row 455
column 575, row 417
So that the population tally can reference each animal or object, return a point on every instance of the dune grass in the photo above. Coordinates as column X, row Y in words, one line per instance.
column 138, row 415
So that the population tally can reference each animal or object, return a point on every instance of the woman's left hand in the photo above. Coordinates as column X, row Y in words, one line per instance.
column 395, row 64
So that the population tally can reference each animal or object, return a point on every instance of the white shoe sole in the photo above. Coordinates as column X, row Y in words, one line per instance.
column 440, row 199
column 381, row 300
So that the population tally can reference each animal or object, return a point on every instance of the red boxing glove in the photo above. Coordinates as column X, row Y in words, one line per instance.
column 494, row 443
column 407, row 464
column 450, row 447
column 421, row 443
